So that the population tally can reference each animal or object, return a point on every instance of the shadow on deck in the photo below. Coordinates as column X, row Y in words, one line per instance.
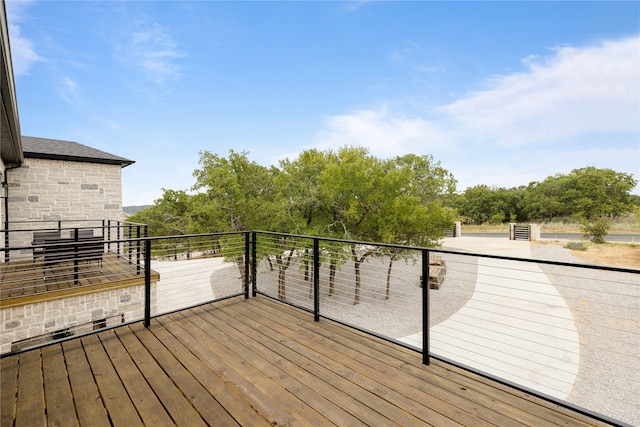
column 253, row 362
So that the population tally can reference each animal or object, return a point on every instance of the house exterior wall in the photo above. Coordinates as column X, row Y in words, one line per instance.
column 44, row 189
column 52, row 190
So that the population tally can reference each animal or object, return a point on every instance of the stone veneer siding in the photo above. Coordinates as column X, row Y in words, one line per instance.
column 52, row 190
column 44, row 189
column 34, row 320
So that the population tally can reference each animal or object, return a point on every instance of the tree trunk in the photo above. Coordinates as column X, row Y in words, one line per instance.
column 241, row 268
column 283, row 265
column 332, row 276
column 389, row 278
column 282, row 291
column 306, row 265
column 357, row 261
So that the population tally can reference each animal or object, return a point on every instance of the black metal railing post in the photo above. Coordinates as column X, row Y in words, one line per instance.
column 138, row 248
column 147, row 282
column 247, row 264
column 316, row 279
column 6, row 241
column 118, row 238
column 109, row 235
column 76, row 238
column 254, row 263
column 425, row 307
column 128, row 243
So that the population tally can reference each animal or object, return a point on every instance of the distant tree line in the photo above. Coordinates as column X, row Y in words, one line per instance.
column 586, row 193
column 351, row 194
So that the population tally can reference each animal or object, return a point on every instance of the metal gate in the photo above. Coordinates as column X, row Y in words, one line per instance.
column 521, row 232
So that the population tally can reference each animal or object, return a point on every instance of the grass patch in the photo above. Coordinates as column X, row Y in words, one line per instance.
column 576, row 246
column 626, row 225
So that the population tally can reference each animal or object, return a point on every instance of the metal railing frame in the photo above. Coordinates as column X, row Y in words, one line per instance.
column 60, row 225
column 251, row 287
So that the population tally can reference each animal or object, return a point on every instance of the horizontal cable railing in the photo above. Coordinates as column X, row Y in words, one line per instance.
column 65, row 263
column 33, row 233
column 197, row 269
column 566, row 331
column 58, row 288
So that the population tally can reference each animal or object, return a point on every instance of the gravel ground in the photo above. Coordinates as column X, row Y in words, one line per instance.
column 606, row 310
column 402, row 311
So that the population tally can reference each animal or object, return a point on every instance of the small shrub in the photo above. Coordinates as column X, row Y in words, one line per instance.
column 576, row 246
column 497, row 218
column 596, row 230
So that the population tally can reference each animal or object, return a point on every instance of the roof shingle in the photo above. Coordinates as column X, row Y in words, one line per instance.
column 44, row 148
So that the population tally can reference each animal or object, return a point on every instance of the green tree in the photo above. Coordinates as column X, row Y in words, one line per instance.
column 236, row 194
column 547, row 199
column 397, row 200
column 168, row 216
column 588, row 193
column 595, row 193
column 413, row 213
column 239, row 192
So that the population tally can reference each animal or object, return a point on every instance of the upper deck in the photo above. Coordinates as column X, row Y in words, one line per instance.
column 253, row 362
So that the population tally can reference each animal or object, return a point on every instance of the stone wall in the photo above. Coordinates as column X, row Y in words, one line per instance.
column 78, row 313
column 51, row 190
column 58, row 189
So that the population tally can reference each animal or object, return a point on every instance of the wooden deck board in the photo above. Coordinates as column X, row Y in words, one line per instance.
column 266, row 370
column 84, row 388
column 8, row 389
column 176, row 404
column 121, row 410
column 58, row 397
column 367, row 406
column 328, row 397
column 253, row 363
column 210, row 410
column 369, row 374
column 30, row 406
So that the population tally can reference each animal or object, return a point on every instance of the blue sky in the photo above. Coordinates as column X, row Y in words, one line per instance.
column 501, row 93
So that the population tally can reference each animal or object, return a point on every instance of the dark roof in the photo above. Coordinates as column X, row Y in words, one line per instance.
column 54, row 149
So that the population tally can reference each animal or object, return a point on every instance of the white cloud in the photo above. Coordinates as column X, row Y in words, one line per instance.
column 385, row 133
column 576, row 107
column 576, row 91
column 23, row 53
column 69, row 91
column 151, row 48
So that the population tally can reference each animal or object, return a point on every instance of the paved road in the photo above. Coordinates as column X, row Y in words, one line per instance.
column 622, row 238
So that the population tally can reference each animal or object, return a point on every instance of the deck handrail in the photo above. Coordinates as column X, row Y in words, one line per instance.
column 261, row 259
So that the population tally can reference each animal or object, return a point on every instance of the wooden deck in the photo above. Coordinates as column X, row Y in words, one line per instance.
column 27, row 282
column 253, row 363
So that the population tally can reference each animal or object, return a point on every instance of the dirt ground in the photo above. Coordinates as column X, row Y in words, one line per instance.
column 621, row 255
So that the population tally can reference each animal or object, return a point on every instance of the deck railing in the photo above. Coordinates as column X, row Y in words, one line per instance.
column 24, row 234
column 568, row 332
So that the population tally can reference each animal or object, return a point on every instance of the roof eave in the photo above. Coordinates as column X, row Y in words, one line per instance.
column 123, row 162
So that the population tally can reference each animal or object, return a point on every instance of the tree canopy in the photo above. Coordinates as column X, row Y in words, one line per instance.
column 586, row 193
column 348, row 193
